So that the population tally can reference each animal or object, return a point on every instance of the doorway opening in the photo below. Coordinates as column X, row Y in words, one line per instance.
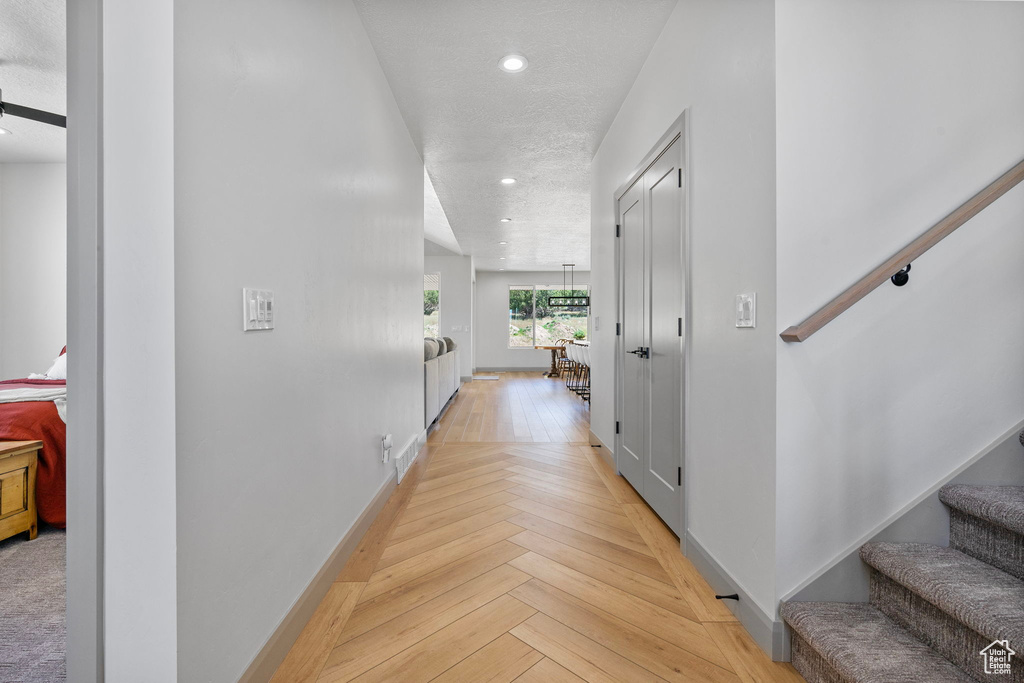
column 33, row 341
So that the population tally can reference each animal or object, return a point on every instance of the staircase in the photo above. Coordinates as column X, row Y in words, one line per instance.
column 932, row 610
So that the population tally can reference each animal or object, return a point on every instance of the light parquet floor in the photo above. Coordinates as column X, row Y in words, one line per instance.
column 521, row 407
column 520, row 561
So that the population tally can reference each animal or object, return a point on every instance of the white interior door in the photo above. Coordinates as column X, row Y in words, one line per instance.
column 663, row 471
column 633, row 330
column 652, row 319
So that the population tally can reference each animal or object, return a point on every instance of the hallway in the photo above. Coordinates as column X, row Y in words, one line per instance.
column 528, row 561
column 519, row 407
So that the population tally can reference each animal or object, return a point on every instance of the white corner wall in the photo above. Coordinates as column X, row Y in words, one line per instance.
column 715, row 57
column 138, row 323
column 294, row 172
column 890, row 115
column 456, row 303
column 33, row 267
column 492, row 351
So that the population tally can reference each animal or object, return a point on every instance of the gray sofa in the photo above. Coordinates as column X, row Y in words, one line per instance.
column 440, row 376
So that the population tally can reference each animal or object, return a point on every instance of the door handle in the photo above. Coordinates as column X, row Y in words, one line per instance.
column 641, row 351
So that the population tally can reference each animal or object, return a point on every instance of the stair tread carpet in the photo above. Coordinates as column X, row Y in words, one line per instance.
column 1000, row 505
column 976, row 594
column 865, row 646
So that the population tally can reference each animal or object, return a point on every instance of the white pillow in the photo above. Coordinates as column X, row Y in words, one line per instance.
column 59, row 369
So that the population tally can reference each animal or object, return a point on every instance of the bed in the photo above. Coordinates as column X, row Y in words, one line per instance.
column 31, row 410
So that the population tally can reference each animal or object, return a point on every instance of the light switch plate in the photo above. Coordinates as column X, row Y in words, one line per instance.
column 746, row 310
column 257, row 309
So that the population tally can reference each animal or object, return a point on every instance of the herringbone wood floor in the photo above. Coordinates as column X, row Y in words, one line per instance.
column 521, row 562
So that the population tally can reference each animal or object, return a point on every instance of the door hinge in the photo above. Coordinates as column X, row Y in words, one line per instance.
column 680, row 479
column 680, row 327
column 618, row 329
column 680, row 177
column 617, row 229
column 617, row 427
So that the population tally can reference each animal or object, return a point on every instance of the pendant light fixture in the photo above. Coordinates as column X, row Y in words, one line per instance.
column 569, row 301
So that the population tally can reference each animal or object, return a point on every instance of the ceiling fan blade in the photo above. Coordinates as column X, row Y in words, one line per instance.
column 7, row 108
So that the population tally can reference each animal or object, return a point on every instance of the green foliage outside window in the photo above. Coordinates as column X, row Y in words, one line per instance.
column 533, row 322
column 431, row 312
column 430, row 301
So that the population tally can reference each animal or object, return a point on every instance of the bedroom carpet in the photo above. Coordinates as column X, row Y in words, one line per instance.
column 32, row 588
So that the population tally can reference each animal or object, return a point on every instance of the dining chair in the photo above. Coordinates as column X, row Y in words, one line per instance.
column 563, row 358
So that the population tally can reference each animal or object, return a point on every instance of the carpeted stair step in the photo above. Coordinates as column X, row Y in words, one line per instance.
column 838, row 642
column 952, row 602
column 987, row 522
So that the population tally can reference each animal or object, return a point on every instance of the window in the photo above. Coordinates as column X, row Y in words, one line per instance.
column 431, row 304
column 532, row 321
column 520, row 316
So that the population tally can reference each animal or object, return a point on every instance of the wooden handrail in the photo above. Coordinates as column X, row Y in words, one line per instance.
column 905, row 256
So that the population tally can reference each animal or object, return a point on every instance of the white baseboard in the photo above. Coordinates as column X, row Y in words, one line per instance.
column 604, row 451
column 766, row 631
column 276, row 648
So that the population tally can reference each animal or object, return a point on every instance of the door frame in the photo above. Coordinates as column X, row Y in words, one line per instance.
column 85, row 432
column 622, row 452
column 679, row 130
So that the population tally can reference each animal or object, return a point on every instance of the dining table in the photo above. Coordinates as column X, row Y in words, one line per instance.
column 555, row 350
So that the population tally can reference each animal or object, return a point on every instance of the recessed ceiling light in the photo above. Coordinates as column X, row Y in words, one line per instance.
column 513, row 64
column 501, row 269
column 4, row 131
column 502, row 242
column 501, row 258
column 507, row 181
column 506, row 220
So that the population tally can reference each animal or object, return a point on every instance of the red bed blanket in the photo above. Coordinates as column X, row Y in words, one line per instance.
column 39, row 421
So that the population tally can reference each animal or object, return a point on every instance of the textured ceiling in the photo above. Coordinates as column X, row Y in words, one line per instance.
column 33, row 56
column 434, row 249
column 475, row 124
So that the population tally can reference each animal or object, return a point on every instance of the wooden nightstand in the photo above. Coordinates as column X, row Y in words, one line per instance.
column 18, row 488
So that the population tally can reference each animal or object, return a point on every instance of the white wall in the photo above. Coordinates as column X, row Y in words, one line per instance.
column 456, row 303
column 33, row 267
column 716, row 58
column 492, row 351
column 138, row 317
column 891, row 114
column 320, row 201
